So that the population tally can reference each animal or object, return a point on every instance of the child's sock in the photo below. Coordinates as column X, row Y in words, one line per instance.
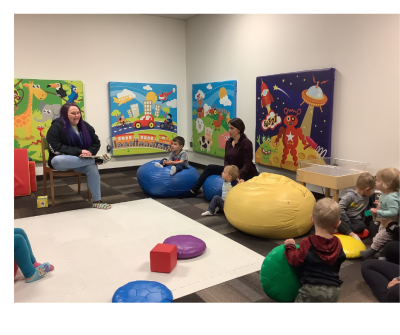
column 368, row 253
column 40, row 272
column 173, row 170
column 207, row 213
column 36, row 264
column 356, row 237
column 158, row 165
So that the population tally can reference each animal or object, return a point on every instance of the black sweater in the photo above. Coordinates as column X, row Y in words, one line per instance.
column 58, row 141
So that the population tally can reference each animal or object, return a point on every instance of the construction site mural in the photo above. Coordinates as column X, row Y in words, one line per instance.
column 294, row 117
column 214, row 104
column 143, row 117
column 37, row 102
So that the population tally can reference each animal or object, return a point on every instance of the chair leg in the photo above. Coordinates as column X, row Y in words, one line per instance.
column 89, row 194
column 52, row 189
column 79, row 184
column 44, row 184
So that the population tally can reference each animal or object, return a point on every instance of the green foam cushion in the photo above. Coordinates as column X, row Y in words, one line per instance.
column 280, row 280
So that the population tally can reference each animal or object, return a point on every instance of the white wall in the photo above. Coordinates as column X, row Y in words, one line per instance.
column 364, row 50
column 98, row 49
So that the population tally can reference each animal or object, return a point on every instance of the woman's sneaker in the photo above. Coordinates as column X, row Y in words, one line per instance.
column 101, row 205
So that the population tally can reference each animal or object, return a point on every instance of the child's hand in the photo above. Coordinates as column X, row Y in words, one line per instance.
column 376, row 202
column 374, row 211
column 241, row 181
column 392, row 283
column 289, row 241
column 167, row 162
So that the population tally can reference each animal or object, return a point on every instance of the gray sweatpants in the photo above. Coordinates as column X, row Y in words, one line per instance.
column 381, row 238
column 354, row 225
column 318, row 293
column 216, row 202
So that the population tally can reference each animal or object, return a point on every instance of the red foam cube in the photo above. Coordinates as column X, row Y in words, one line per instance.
column 32, row 172
column 163, row 258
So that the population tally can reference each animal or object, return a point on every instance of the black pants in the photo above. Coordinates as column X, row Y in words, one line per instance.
column 377, row 274
column 210, row 171
column 216, row 202
column 179, row 166
column 391, row 251
column 355, row 225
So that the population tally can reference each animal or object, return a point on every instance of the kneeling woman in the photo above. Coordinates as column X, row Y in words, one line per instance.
column 71, row 138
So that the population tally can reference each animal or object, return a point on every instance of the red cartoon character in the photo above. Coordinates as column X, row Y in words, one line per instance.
column 290, row 135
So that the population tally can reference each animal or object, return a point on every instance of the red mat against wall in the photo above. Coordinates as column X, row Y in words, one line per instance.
column 22, row 184
column 32, row 173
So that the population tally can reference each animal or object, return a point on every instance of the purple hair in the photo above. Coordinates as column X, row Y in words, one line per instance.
column 73, row 138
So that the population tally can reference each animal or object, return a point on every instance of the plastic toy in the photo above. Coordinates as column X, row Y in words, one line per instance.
column 188, row 246
column 142, row 291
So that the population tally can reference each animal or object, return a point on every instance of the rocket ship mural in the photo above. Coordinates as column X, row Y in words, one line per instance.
column 266, row 97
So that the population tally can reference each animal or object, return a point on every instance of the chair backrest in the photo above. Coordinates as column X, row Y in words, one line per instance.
column 45, row 145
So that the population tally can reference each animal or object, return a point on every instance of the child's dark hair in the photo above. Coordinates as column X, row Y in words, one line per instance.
column 180, row 140
column 170, row 115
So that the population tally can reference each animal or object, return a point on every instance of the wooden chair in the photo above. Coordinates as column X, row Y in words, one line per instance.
column 55, row 173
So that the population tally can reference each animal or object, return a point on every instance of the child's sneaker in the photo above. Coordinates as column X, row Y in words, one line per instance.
column 173, row 170
column 101, row 205
column 207, row 213
column 368, row 253
column 40, row 272
column 158, row 165
column 364, row 234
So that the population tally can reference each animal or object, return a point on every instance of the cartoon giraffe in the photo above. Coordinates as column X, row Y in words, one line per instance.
column 24, row 120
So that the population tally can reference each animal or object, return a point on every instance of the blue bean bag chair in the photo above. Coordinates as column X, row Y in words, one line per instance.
column 158, row 182
column 213, row 186
column 142, row 291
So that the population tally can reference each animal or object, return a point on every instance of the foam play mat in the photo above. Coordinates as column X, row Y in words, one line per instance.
column 95, row 252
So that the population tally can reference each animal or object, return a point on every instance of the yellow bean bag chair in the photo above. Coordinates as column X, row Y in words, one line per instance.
column 351, row 246
column 271, row 206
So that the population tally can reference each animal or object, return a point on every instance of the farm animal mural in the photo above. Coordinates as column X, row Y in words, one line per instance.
column 213, row 106
column 37, row 102
column 288, row 127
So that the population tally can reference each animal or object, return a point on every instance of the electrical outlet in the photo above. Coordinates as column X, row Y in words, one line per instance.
column 108, row 148
column 191, row 144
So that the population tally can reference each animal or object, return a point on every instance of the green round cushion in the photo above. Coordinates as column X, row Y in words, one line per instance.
column 280, row 280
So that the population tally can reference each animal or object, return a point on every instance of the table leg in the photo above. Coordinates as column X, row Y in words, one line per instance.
column 327, row 192
column 336, row 195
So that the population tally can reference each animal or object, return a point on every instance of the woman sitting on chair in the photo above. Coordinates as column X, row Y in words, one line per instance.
column 71, row 138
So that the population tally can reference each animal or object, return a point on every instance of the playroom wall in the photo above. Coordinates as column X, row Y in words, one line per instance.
column 97, row 49
column 364, row 50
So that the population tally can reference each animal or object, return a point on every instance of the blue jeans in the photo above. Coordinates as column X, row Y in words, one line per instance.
column 179, row 166
column 83, row 165
column 23, row 254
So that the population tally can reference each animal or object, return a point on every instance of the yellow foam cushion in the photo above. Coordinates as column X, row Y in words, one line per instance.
column 271, row 206
column 351, row 246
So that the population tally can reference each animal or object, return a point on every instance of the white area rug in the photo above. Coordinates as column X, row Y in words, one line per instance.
column 95, row 252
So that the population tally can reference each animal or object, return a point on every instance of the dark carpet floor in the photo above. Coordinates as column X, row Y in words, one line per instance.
column 123, row 186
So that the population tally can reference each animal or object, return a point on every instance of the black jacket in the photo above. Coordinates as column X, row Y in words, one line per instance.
column 319, row 258
column 58, row 141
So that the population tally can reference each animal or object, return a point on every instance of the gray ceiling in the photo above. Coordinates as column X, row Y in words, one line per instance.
column 176, row 16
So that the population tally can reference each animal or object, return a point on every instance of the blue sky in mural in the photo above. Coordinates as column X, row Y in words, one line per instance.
column 212, row 95
column 140, row 90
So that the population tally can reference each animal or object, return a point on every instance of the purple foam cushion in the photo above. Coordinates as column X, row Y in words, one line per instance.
column 188, row 246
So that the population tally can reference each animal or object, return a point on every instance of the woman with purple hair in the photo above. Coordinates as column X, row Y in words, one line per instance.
column 71, row 138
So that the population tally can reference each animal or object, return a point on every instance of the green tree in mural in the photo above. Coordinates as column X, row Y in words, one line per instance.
column 166, row 111
column 194, row 113
column 115, row 113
